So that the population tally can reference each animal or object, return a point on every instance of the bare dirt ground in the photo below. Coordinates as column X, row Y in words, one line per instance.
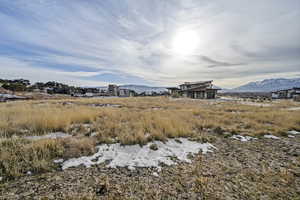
column 257, row 169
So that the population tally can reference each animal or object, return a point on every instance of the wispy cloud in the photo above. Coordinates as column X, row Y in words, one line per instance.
column 215, row 63
column 132, row 40
column 82, row 73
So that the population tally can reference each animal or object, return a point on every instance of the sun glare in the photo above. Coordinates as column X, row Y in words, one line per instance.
column 185, row 42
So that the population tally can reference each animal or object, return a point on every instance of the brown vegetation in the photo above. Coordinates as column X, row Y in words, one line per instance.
column 139, row 120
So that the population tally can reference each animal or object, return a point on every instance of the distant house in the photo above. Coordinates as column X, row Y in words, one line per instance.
column 195, row 90
column 126, row 93
column 113, row 90
column 89, row 94
column 280, row 94
column 174, row 91
column 286, row 94
column 49, row 90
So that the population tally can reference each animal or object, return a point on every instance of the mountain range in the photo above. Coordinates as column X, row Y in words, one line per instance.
column 268, row 85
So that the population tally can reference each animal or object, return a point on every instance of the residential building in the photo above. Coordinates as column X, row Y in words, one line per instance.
column 287, row 93
column 195, row 90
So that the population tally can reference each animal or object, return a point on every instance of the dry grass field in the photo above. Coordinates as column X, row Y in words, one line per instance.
column 140, row 118
column 127, row 121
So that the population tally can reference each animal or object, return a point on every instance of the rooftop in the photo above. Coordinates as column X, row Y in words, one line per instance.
column 198, row 82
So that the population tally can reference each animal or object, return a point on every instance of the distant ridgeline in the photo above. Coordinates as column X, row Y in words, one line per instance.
column 22, row 85
column 268, row 85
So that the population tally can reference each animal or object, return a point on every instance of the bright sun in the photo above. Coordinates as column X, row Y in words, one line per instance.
column 185, row 42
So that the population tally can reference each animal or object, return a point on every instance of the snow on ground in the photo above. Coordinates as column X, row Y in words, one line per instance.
column 58, row 161
column 49, row 136
column 133, row 156
column 249, row 103
column 293, row 132
column 271, row 137
column 229, row 99
column 155, row 174
column 243, row 138
column 293, row 108
column 93, row 134
column 10, row 96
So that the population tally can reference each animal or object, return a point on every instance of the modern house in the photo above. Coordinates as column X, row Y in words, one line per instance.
column 292, row 93
column 114, row 90
column 195, row 90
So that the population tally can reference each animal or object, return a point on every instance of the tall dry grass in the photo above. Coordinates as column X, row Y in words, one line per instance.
column 143, row 119
column 137, row 126
column 30, row 118
column 20, row 156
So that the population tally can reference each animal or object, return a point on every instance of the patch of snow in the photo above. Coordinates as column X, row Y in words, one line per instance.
column 93, row 134
column 291, row 136
column 58, row 161
column 156, row 108
column 228, row 98
column 249, row 103
column 293, row 132
column 271, row 137
column 243, row 138
column 9, row 96
column 155, row 174
column 293, row 108
column 1, row 178
column 133, row 156
column 29, row 173
column 49, row 136
column 87, row 125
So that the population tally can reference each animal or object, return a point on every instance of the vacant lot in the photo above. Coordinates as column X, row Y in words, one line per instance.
column 90, row 122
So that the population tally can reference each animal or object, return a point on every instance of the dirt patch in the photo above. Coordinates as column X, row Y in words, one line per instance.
column 105, row 105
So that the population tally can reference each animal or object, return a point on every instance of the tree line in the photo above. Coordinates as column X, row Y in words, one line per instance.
column 51, row 87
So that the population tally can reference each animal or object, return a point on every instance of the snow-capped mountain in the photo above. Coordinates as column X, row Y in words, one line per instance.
column 268, row 85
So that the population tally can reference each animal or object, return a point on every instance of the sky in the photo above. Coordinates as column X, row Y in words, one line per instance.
column 149, row 42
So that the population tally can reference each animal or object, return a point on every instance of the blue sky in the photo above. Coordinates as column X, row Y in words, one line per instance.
column 153, row 42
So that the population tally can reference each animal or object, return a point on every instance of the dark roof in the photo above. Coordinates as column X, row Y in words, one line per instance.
column 173, row 88
column 196, row 83
column 200, row 88
column 280, row 91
